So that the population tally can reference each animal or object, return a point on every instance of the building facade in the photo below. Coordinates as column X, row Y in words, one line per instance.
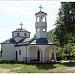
column 23, row 48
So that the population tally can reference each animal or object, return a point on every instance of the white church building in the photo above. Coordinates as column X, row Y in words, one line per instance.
column 23, row 48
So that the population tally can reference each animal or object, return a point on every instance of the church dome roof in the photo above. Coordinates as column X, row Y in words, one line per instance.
column 40, row 12
column 21, row 30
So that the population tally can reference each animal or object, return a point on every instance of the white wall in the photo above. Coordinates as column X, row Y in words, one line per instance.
column 8, row 51
column 33, row 52
column 21, row 34
column 23, row 52
column 41, row 26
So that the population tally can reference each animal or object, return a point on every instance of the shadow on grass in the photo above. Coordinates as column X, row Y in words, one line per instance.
column 68, row 64
column 45, row 66
column 53, row 65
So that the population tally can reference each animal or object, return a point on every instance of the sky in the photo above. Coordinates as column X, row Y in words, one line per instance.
column 12, row 13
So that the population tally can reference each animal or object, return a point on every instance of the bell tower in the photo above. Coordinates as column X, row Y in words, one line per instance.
column 41, row 27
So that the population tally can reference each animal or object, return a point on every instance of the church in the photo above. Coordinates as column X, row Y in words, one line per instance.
column 23, row 48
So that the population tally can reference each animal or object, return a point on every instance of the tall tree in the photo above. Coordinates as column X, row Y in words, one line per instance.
column 65, row 23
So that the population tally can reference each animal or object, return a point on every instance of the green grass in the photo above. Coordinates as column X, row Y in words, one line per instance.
column 40, row 68
column 10, row 66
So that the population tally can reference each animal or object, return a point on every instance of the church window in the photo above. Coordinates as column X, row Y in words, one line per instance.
column 37, row 19
column 19, row 52
column 43, row 29
column 25, row 34
column 18, row 34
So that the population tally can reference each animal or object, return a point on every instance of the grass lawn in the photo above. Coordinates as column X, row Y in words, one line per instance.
column 66, row 67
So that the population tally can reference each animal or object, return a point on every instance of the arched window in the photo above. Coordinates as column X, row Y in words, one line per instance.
column 37, row 19
column 25, row 34
column 18, row 34
column 19, row 52
column 44, row 29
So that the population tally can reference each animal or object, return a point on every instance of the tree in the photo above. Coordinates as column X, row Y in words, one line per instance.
column 68, row 51
column 65, row 23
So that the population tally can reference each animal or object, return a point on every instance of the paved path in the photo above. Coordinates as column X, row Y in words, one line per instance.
column 2, row 70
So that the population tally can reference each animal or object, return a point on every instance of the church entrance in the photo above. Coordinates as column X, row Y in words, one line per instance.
column 16, row 55
column 38, row 56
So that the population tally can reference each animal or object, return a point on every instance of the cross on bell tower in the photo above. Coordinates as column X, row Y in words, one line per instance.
column 21, row 25
column 40, row 7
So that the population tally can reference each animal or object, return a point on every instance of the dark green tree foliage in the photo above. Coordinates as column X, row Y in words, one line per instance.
column 65, row 24
column 51, row 35
column 68, row 51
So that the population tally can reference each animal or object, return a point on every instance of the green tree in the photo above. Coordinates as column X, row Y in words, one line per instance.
column 67, row 51
column 65, row 23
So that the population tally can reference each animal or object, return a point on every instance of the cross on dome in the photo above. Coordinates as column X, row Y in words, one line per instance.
column 40, row 7
column 21, row 25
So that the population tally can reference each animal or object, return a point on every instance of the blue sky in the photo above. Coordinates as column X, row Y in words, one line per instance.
column 12, row 13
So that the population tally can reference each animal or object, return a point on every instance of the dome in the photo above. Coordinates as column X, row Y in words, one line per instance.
column 21, row 30
column 41, row 12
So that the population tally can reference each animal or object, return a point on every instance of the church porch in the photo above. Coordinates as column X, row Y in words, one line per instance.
column 35, row 54
column 41, row 54
column 50, row 54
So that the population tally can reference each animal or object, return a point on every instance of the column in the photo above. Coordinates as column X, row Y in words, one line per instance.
column 28, row 54
column 43, row 53
column 55, row 54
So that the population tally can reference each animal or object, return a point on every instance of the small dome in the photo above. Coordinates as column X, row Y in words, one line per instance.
column 41, row 12
column 19, row 29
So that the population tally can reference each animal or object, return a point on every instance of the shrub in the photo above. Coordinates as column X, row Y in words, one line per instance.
column 66, row 52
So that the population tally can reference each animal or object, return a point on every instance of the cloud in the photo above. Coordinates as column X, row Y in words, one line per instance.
column 16, row 10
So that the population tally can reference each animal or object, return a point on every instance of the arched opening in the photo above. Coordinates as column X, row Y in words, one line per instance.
column 44, row 29
column 38, row 29
column 49, row 54
column 43, row 19
column 35, row 53
column 37, row 19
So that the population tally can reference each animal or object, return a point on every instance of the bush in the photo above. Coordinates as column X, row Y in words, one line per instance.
column 66, row 52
